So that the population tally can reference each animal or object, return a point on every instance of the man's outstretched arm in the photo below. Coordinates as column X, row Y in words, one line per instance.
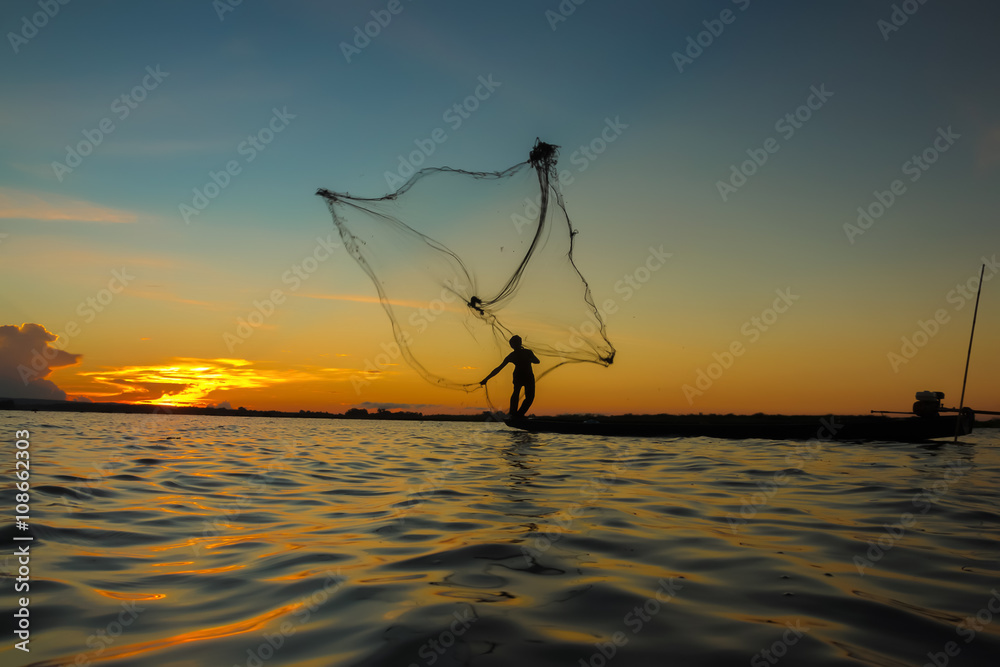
column 495, row 371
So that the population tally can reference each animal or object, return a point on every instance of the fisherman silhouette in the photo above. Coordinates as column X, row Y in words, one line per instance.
column 522, row 358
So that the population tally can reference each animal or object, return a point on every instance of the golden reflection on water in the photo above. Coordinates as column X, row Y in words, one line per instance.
column 142, row 650
column 120, row 595
column 230, row 527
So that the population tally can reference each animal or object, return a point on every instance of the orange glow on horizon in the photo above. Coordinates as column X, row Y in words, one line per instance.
column 187, row 382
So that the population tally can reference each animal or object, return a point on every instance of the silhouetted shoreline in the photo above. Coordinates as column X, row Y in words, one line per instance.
column 44, row 405
column 137, row 408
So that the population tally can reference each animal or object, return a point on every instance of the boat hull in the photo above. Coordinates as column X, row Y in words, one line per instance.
column 888, row 429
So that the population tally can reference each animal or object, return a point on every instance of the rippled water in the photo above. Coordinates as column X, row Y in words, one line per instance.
column 175, row 541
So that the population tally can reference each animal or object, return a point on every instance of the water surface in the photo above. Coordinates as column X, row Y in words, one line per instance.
column 186, row 541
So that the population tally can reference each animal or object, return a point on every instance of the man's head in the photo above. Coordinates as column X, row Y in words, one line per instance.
column 515, row 342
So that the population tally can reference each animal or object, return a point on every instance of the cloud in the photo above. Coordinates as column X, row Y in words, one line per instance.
column 19, row 204
column 27, row 358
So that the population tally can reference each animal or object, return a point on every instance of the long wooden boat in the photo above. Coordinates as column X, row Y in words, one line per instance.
column 869, row 428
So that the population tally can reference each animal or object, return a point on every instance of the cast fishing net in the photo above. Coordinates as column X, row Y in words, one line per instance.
column 463, row 260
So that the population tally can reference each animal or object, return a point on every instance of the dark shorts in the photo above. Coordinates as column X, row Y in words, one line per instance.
column 524, row 379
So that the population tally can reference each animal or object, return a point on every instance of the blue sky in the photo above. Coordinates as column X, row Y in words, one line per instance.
column 345, row 124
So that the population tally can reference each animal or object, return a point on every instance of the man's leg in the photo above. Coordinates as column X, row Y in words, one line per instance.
column 529, row 397
column 513, row 401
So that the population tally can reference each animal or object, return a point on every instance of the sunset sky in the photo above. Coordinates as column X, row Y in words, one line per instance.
column 823, row 176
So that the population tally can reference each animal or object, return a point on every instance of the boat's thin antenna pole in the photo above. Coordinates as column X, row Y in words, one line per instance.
column 968, row 356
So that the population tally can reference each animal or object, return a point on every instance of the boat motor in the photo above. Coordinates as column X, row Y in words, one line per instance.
column 928, row 403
